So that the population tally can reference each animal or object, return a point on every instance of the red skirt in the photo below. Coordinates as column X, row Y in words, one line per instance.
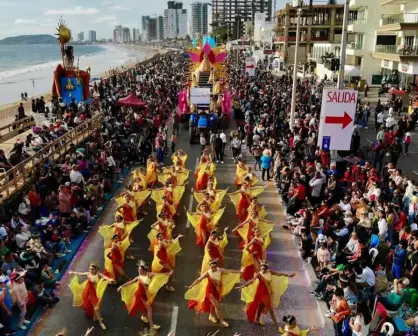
column 204, row 307
column 164, row 259
column 215, row 254
column 250, row 235
column 256, row 251
column 242, row 211
column 137, row 305
column 261, row 298
column 200, row 241
column 90, row 299
column 202, row 183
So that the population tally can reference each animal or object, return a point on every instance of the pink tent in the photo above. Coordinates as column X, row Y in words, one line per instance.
column 132, row 100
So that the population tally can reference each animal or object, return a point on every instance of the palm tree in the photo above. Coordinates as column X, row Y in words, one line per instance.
column 327, row 58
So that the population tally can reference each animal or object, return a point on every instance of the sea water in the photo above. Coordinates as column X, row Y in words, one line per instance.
column 29, row 68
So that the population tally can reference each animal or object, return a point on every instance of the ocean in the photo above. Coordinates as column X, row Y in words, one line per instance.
column 30, row 67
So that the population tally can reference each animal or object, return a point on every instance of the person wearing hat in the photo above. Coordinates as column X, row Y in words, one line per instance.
column 269, row 286
column 400, row 294
column 21, row 294
column 218, row 283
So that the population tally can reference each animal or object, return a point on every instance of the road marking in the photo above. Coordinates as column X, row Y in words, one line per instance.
column 174, row 318
column 415, row 172
column 191, row 198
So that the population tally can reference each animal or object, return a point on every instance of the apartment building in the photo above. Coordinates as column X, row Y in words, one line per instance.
column 198, row 19
column 320, row 25
column 397, row 52
column 175, row 20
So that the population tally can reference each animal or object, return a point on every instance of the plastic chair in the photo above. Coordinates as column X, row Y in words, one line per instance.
column 380, row 316
column 373, row 252
column 388, row 329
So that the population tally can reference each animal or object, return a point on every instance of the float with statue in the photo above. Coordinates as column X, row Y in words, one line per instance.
column 205, row 100
column 69, row 83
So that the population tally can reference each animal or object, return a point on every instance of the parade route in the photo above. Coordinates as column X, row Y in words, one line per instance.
column 170, row 308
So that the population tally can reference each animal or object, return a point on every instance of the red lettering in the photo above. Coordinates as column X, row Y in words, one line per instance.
column 341, row 97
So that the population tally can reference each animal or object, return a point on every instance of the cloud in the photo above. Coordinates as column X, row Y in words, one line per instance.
column 25, row 21
column 73, row 11
column 119, row 8
column 106, row 18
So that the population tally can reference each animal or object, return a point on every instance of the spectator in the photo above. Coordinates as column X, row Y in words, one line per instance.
column 266, row 166
column 21, row 294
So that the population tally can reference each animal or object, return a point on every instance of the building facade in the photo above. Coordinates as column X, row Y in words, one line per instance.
column 152, row 29
column 396, row 47
column 198, row 19
column 175, row 20
column 80, row 37
column 160, row 28
column 92, row 36
column 232, row 15
column 117, row 34
column 320, row 24
column 135, row 35
column 126, row 35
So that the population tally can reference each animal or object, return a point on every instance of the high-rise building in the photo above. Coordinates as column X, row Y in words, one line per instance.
column 160, row 28
column 144, row 23
column 117, row 34
column 199, row 19
column 80, row 37
column 175, row 20
column 126, row 35
column 135, row 35
column 232, row 15
column 92, row 36
column 152, row 29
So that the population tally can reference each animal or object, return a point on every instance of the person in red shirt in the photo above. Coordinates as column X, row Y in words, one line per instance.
column 298, row 195
column 35, row 203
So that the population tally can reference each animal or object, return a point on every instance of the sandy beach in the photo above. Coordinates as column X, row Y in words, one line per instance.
column 8, row 111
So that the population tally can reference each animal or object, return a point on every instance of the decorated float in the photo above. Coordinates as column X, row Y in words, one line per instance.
column 69, row 83
column 205, row 96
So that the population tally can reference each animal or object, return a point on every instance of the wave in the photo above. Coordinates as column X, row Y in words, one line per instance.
column 38, row 67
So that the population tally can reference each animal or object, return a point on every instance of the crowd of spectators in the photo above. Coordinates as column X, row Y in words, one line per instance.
column 61, row 205
column 355, row 219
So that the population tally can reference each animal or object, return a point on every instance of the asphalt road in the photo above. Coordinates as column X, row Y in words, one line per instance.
column 170, row 308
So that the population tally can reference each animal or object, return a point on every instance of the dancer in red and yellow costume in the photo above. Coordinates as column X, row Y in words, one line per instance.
column 256, row 207
column 262, row 294
column 139, row 181
column 241, row 199
column 175, row 175
column 165, row 257
column 214, row 250
column 244, row 173
column 204, row 172
column 163, row 225
column 246, row 228
column 204, row 222
column 115, row 258
column 119, row 228
column 88, row 294
column 213, row 198
column 168, row 198
column 138, row 294
column 152, row 172
column 127, row 206
column 179, row 158
column 253, row 254
column 291, row 327
column 206, row 293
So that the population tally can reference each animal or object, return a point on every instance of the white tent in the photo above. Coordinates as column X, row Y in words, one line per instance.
column 351, row 71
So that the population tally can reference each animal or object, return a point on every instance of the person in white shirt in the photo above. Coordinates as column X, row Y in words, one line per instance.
column 381, row 118
column 24, row 206
column 390, row 122
column 75, row 176
column 345, row 205
column 382, row 226
column 360, row 323
column 367, row 278
column 352, row 244
column 316, row 184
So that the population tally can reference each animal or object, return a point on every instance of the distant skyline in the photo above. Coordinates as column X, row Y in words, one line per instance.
column 21, row 17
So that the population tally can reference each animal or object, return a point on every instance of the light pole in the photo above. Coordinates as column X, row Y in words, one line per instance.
column 340, row 84
column 295, row 72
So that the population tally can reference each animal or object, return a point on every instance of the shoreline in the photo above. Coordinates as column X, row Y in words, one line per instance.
column 9, row 110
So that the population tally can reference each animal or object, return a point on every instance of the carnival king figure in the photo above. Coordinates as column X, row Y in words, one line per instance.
column 67, row 76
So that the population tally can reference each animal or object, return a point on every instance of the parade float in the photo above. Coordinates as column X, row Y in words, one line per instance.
column 205, row 96
column 70, row 83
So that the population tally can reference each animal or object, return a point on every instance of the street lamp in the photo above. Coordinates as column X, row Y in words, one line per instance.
column 295, row 71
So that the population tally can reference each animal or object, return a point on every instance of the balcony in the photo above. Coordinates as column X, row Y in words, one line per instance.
column 398, row 22
column 320, row 38
column 395, row 53
column 354, row 4
column 357, row 25
column 355, row 49
column 396, row 2
column 283, row 39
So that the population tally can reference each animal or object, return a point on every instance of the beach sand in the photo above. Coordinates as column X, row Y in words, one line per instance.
column 8, row 111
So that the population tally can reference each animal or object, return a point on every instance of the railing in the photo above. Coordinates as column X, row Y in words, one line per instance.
column 18, row 176
column 399, row 18
column 11, row 130
column 285, row 38
column 398, row 50
column 357, row 21
column 354, row 46
column 319, row 38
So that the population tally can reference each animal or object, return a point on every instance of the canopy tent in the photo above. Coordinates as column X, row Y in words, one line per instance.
column 132, row 100
column 397, row 92
column 351, row 71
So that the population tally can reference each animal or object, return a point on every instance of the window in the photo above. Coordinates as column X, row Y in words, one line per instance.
column 359, row 41
column 409, row 40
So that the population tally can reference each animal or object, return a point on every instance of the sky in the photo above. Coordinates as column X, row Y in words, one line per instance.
column 24, row 17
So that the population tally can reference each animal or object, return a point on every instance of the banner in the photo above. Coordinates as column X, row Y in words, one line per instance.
column 200, row 96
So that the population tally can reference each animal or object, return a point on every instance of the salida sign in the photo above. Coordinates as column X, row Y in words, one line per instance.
column 337, row 118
